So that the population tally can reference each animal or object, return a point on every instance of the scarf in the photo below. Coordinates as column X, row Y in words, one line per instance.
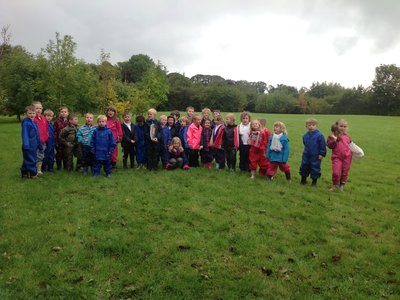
column 276, row 145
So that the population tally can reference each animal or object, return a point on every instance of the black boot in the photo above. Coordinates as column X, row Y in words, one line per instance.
column 125, row 163
column 314, row 182
column 288, row 177
column 303, row 180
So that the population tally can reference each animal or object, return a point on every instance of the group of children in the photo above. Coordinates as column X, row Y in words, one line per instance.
column 177, row 143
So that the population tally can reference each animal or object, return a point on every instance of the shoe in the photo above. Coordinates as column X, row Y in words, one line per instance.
column 314, row 183
column 269, row 178
column 186, row 167
column 341, row 186
column 108, row 176
column 85, row 171
column 303, row 180
column 217, row 166
column 288, row 177
column 168, row 166
column 334, row 188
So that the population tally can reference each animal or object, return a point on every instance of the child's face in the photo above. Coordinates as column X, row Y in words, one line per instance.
column 183, row 123
column 110, row 113
column 163, row 121
column 176, row 117
column 151, row 115
column 49, row 117
column 64, row 113
column 215, row 114
column 342, row 127
column 127, row 119
column 245, row 120
column 197, row 120
column 206, row 115
column 277, row 129
column 38, row 109
column 190, row 112
column 255, row 126
column 311, row 127
column 31, row 114
column 217, row 122
column 207, row 124
column 171, row 121
column 229, row 121
column 74, row 121
column 89, row 119
column 101, row 122
column 176, row 145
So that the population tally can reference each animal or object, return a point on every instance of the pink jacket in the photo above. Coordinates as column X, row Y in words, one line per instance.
column 340, row 149
column 116, row 128
column 43, row 127
column 194, row 136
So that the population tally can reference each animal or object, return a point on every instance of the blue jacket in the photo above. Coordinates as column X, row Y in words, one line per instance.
column 314, row 145
column 50, row 142
column 183, row 136
column 103, row 143
column 281, row 156
column 30, row 135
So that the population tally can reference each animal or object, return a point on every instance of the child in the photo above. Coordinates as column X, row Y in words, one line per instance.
column 140, row 142
column 177, row 156
column 152, row 137
column 216, row 113
column 339, row 142
column 314, row 151
column 190, row 114
column 193, row 140
column 230, row 141
column 59, row 124
column 174, row 130
column 177, row 123
column 216, row 142
column 205, row 150
column 165, row 140
column 244, row 147
column 278, row 152
column 43, row 128
column 30, row 143
column 69, row 142
column 84, row 136
column 128, row 140
column 183, row 135
column 206, row 113
column 114, row 124
column 258, row 141
column 102, row 146
column 48, row 161
column 263, row 123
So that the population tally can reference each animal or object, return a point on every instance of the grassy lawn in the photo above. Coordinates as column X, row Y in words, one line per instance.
column 205, row 234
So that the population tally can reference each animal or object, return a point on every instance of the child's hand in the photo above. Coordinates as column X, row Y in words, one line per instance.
column 154, row 140
column 132, row 141
column 333, row 136
column 201, row 147
column 320, row 157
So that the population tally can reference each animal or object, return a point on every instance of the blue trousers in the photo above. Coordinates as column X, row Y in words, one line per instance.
column 97, row 164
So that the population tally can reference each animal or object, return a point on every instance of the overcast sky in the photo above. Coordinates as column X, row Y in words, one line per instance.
column 292, row 42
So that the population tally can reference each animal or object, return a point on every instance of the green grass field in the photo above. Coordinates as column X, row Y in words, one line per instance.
column 205, row 234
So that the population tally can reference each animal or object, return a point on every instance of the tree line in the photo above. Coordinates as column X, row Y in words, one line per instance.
column 56, row 77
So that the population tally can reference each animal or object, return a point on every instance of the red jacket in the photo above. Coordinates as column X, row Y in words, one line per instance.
column 216, row 137
column 43, row 127
column 116, row 128
column 194, row 136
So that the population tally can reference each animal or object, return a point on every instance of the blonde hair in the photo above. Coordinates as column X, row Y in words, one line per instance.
column 230, row 116
column 245, row 114
column 281, row 125
column 152, row 111
column 311, row 121
column 254, row 122
column 101, row 118
column 173, row 141
column 48, row 112
column 163, row 117
column 206, row 110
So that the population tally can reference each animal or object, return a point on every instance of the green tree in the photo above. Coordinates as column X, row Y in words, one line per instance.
column 386, row 90
column 18, row 74
column 134, row 70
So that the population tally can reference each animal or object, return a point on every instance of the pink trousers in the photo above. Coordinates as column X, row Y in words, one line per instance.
column 273, row 167
column 340, row 169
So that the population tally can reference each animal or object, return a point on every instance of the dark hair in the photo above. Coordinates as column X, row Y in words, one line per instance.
column 140, row 119
column 71, row 116
column 203, row 121
column 175, row 113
